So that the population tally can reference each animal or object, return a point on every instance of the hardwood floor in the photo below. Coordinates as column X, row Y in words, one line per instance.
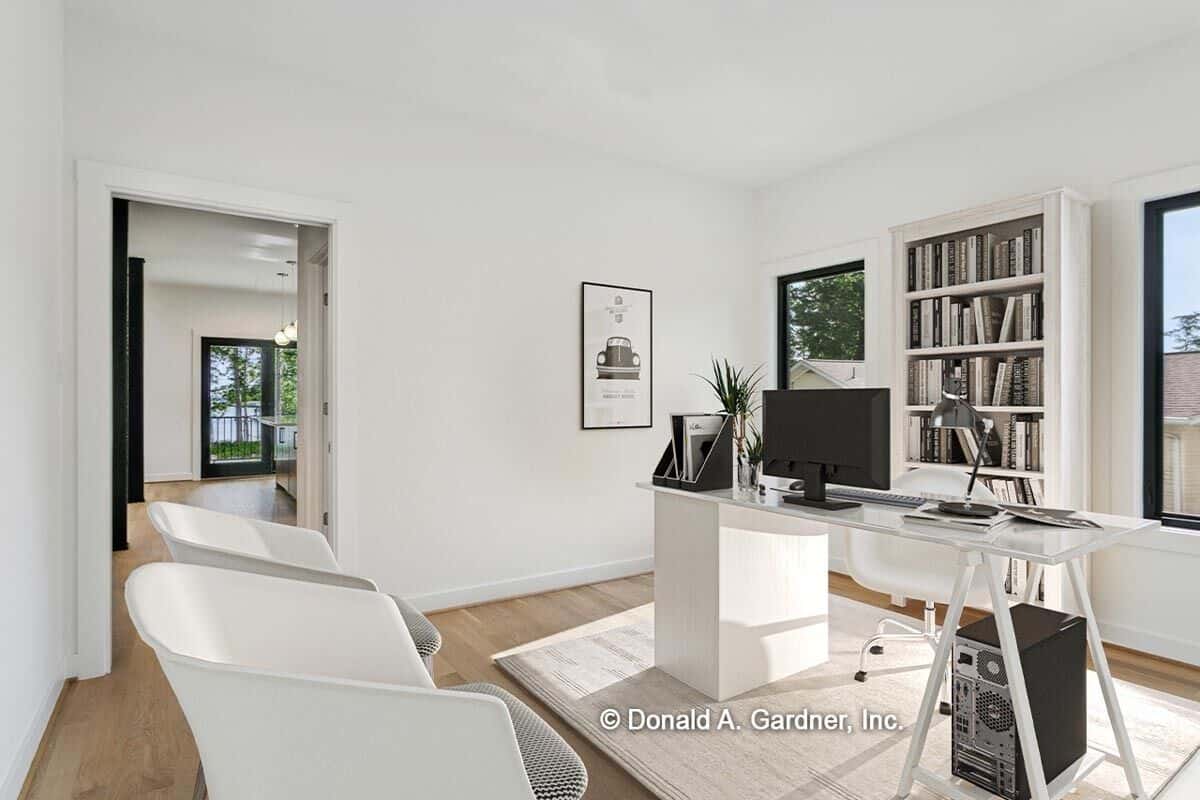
column 124, row 737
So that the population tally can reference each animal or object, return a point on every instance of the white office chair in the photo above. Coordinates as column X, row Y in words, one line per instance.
column 301, row 691
column 896, row 566
column 212, row 539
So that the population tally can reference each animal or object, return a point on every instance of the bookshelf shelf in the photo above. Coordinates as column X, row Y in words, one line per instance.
column 994, row 286
column 995, row 472
column 975, row 349
column 1040, row 244
column 990, row 409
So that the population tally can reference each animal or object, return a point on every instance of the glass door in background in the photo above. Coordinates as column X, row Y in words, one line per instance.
column 236, row 386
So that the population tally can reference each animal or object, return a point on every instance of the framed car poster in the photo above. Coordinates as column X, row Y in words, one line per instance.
column 618, row 358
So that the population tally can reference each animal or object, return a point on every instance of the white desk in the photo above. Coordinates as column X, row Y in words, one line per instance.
column 736, row 609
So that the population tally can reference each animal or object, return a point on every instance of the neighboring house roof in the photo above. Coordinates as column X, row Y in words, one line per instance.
column 842, row 374
column 1181, row 384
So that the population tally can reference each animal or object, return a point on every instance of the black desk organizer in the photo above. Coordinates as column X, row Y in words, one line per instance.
column 715, row 473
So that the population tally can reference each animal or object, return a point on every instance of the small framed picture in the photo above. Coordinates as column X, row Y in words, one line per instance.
column 618, row 356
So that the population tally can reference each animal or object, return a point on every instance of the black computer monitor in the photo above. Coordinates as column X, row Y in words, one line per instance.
column 828, row 435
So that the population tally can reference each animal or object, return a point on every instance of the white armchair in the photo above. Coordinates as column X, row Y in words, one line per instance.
column 212, row 539
column 895, row 566
column 301, row 691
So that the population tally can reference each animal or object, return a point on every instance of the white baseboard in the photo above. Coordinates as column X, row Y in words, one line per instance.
column 163, row 477
column 23, row 758
column 1153, row 643
column 532, row 584
column 838, row 564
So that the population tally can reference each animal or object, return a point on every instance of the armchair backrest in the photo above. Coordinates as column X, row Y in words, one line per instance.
column 213, row 539
column 303, row 691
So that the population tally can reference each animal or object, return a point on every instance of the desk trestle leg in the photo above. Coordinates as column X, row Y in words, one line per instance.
column 1107, row 688
column 937, row 672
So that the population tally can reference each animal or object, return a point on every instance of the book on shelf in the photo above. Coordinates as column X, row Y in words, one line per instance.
column 972, row 258
column 1016, row 491
column 986, row 319
column 931, row 445
column 983, row 380
column 1021, row 443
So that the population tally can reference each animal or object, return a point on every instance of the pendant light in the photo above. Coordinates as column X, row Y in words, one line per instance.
column 281, row 338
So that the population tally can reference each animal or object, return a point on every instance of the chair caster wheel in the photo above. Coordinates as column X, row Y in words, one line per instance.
column 944, row 708
column 860, row 676
column 876, row 650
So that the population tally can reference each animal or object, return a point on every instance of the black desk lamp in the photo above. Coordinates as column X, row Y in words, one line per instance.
column 954, row 412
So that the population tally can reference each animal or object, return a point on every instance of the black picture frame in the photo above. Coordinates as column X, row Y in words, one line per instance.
column 588, row 363
column 1152, row 360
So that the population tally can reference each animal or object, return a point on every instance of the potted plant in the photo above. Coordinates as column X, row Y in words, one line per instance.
column 754, row 455
column 737, row 392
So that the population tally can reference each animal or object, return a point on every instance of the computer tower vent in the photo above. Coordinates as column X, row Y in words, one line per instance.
column 991, row 668
column 995, row 711
column 985, row 743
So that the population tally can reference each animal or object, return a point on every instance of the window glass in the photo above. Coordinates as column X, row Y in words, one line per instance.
column 1180, row 409
column 822, row 330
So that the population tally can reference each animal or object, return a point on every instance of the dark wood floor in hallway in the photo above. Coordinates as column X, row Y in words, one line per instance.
column 123, row 736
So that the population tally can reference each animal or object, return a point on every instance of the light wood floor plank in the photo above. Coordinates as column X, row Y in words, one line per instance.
column 124, row 737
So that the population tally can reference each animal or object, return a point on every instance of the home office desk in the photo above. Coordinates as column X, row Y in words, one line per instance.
column 735, row 609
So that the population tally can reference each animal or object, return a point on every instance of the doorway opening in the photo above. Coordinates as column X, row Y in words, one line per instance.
column 219, row 355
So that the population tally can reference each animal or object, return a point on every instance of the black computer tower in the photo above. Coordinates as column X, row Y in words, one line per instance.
column 985, row 746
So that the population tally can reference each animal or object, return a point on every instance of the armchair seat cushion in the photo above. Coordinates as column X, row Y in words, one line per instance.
column 554, row 770
column 424, row 635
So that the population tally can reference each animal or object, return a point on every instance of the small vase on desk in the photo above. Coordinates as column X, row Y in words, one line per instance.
column 755, row 477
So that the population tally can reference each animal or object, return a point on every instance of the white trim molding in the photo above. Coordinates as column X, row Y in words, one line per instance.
column 877, row 288
column 530, row 584
column 167, row 477
column 96, row 185
column 1123, row 367
column 1145, row 641
column 14, row 781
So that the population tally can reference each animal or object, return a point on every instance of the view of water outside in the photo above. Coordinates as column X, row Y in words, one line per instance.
column 1181, row 361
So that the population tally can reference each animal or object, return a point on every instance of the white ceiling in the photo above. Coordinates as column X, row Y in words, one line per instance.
column 742, row 90
column 201, row 248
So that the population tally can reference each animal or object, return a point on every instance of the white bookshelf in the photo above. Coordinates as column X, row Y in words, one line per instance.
column 1065, row 219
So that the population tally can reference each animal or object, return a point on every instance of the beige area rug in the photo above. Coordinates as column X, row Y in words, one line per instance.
column 610, row 665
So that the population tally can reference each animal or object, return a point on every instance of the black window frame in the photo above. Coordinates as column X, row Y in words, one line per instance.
column 1152, row 343
column 781, row 309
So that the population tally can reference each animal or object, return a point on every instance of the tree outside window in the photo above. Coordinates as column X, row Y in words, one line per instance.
column 822, row 327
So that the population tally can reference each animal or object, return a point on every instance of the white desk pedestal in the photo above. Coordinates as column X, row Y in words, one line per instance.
column 741, row 597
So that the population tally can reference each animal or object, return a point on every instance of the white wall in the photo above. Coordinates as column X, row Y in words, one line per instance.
column 1090, row 132
column 462, row 452
column 174, row 314
column 31, row 556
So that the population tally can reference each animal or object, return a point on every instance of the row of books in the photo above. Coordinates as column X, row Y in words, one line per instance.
column 1026, row 491
column 1021, row 442
column 980, row 380
column 1016, row 579
column 946, row 445
column 974, row 258
column 1016, row 444
column 987, row 319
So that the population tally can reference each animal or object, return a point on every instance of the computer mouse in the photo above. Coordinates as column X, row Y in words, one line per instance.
column 796, row 486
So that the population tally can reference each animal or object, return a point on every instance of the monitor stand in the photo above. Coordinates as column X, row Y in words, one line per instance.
column 814, row 492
